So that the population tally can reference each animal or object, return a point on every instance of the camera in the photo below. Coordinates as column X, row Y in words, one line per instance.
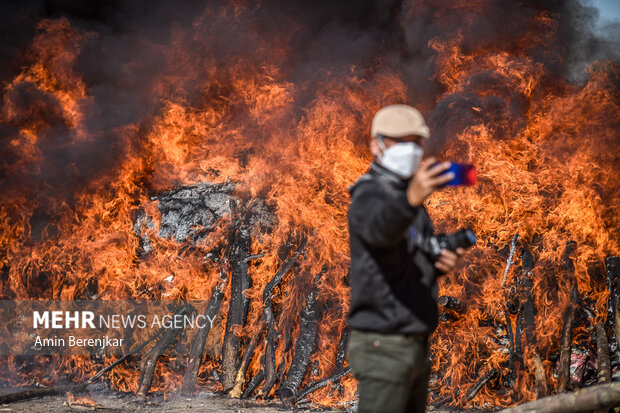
column 463, row 238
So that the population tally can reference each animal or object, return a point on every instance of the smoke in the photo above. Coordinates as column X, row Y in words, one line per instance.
column 562, row 37
column 130, row 46
column 17, row 21
column 584, row 42
column 133, row 56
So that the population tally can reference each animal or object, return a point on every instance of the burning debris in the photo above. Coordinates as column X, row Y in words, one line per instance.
column 189, row 214
column 203, row 153
column 81, row 401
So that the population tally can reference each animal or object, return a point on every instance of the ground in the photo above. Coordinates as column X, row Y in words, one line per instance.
column 109, row 401
column 116, row 402
column 202, row 403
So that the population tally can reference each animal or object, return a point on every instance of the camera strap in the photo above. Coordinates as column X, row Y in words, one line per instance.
column 427, row 244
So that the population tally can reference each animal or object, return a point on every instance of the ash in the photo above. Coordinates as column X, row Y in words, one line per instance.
column 190, row 213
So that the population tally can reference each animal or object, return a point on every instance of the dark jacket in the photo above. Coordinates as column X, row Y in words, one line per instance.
column 393, row 283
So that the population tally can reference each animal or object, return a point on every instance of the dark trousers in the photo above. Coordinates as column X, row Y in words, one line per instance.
column 392, row 370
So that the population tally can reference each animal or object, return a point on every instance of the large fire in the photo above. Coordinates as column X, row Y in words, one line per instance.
column 545, row 149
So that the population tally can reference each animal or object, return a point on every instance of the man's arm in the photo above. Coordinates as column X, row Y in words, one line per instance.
column 382, row 221
column 378, row 219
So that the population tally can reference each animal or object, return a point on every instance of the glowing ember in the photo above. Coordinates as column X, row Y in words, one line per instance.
column 85, row 400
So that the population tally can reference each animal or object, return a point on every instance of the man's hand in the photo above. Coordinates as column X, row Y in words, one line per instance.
column 427, row 180
column 448, row 260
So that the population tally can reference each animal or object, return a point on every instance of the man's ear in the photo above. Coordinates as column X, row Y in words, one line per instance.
column 375, row 150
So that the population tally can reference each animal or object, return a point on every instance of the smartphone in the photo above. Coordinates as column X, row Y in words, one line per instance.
column 464, row 174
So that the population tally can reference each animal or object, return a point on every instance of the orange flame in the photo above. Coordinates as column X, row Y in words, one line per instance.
column 549, row 176
column 85, row 400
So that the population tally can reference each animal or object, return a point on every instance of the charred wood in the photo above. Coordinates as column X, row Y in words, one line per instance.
column 612, row 265
column 343, row 345
column 451, row 303
column 518, row 353
column 305, row 345
column 515, row 305
column 187, row 213
column 286, row 267
column 254, row 257
column 509, row 332
column 565, row 349
column 341, row 355
column 287, row 341
column 245, row 362
column 269, row 363
column 602, row 354
column 269, row 356
column 148, row 363
column 480, row 384
column 238, row 304
column 198, row 345
column 568, row 272
column 442, row 401
column 511, row 339
column 74, row 388
column 340, row 373
column 47, row 391
column 129, row 354
column 446, row 317
column 527, row 262
column 509, row 261
column 253, row 384
column 600, row 396
column 452, row 308
column 529, row 326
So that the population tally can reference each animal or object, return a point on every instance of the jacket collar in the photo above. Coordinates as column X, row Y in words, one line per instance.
column 379, row 172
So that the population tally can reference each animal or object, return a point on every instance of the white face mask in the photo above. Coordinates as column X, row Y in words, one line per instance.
column 401, row 158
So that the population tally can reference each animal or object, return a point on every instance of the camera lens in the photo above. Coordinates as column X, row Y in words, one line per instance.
column 463, row 238
column 466, row 238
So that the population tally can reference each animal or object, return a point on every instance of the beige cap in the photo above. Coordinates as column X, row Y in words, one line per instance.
column 397, row 121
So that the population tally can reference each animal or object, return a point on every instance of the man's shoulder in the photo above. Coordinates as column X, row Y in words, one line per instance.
column 366, row 178
column 365, row 183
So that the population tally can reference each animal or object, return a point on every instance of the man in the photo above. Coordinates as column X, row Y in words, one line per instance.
column 393, row 282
